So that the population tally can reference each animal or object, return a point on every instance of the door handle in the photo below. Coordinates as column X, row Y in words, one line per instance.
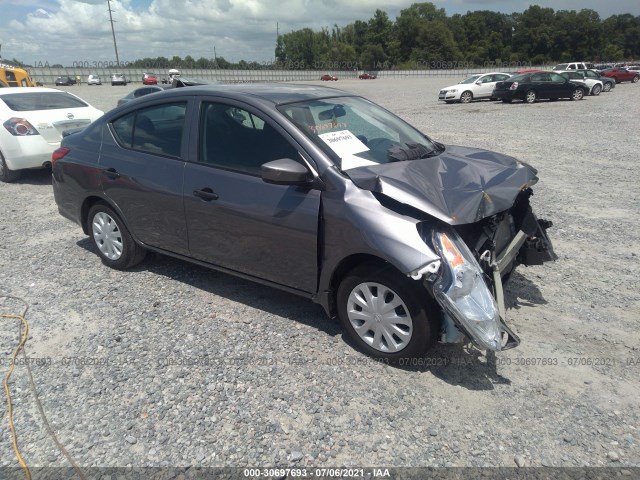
column 111, row 173
column 206, row 194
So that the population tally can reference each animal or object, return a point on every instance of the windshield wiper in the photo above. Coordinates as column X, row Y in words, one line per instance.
column 413, row 151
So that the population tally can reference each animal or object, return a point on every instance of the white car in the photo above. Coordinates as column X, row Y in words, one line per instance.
column 33, row 120
column 94, row 80
column 479, row 85
column 595, row 86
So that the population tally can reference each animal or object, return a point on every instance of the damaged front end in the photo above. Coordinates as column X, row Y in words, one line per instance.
column 476, row 260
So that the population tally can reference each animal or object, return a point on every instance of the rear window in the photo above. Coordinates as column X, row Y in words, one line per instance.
column 29, row 101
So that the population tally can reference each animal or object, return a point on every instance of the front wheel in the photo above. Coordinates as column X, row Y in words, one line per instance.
column 596, row 90
column 577, row 94
column 116, row 247
column 607, row 87
column 636, row 78
column 7, row 175
column 385, row 313
column 466, row 97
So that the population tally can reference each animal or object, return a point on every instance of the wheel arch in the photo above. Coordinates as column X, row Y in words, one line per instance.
column 348, row 265
column 90, row 202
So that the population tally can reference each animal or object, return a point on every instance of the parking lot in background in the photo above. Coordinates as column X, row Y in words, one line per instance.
column 170, row 364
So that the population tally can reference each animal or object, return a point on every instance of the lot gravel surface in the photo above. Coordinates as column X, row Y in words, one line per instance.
column 170, row 364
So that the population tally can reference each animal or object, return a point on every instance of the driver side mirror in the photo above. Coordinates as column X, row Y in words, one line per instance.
column 479, row 82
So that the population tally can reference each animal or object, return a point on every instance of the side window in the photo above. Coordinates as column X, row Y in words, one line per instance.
column 488, row 79
column 554, row 77
column 156, row 129
column 235, row 139
column 540, row 77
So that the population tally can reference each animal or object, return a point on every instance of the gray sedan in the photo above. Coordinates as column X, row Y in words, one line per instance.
column 317, row 192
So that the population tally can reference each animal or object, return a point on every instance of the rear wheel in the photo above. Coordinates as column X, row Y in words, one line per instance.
column 385, row 313
column 7, row 175
column 530, row 96
column 596, row 90
column 577, row 94
column 466, row 97
column 606, row 87
column 116, row 247
column 636, row 78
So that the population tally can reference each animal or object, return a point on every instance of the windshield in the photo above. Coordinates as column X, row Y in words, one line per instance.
column 356, row 132
column 471, row 79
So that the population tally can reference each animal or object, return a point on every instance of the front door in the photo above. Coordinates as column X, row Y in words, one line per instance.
column 235, row 219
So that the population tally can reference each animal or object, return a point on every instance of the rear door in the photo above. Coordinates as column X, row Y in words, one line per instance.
column 486, row 87
column 236, row 220
column 142, row 161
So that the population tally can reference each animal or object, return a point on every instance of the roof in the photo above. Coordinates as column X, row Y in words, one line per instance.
column 276, row 93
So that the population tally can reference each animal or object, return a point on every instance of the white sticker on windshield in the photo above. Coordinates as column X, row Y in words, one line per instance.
column 346, row 145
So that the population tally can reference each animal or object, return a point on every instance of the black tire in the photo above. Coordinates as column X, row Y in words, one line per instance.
column 466, row 97
column 606, row 87
column 7, row 175
column 577, row 94
column 417, row 315
column 596, row 90
column 636, row 78
column 116, row 247
column 530, row 96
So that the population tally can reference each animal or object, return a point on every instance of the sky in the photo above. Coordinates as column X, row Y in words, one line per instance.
column 68, row 31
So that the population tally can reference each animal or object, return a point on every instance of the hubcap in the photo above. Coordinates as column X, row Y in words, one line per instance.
column 379, row 317
column 577, row 95
column 607, row 87
column 107, row 236
column 531, row 97
column 466, row 97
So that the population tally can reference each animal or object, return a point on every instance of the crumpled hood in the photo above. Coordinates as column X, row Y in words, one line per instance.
column 461, row 185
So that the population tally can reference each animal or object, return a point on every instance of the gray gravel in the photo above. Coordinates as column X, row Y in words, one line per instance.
column 170, row 364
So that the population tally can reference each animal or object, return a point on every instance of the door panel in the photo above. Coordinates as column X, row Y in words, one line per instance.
column 268, row 231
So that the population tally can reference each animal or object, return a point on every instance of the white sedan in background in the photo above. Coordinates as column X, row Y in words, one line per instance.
column 33, row 120
column 477, row 86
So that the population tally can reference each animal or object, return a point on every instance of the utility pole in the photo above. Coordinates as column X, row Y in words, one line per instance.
column 113, row 32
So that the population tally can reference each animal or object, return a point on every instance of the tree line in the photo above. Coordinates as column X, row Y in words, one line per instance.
column 423, row 36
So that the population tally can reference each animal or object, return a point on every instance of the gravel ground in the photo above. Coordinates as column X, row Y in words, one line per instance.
column 170, row 364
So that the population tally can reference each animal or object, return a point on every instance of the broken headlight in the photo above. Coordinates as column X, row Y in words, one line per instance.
column 463, row 293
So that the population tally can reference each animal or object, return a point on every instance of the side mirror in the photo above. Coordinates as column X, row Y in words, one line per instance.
column 479, row 82
column 285, row 171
